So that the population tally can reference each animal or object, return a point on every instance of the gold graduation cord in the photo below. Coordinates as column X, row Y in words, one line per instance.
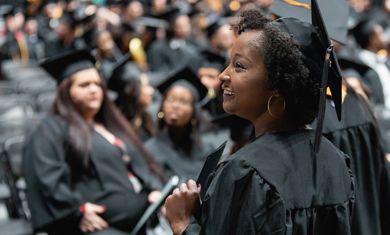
column 295, row 3
column 23, row 47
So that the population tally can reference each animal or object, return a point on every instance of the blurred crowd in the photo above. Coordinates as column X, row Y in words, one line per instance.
column 140, row 49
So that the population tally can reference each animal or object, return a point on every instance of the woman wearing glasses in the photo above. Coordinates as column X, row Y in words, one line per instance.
column 177, row 144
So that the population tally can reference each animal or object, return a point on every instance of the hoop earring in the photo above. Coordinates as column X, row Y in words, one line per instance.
column 160, row 115
column 269, row 110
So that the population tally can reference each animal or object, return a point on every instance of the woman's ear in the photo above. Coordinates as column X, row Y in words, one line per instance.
column 276, row 93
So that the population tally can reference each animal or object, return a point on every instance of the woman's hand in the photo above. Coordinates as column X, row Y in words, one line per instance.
column 181, row 205
column 154, row 196
column 91, row 220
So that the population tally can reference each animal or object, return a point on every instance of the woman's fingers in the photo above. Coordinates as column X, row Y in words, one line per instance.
column 192, row 186
column 176, row 191
column 183, row 187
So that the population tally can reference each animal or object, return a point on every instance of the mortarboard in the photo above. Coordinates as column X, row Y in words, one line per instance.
column 348, row 59
column 213, row 60
column 124, row 72
column 335, row 13
column 6, row 10
column 214, row 26
column 64, row 65
column 240, row 128
column 186, row 78
column 170, row 15
column 318, row 55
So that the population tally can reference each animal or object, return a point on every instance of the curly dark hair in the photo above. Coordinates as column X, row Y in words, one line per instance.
column 286, row 70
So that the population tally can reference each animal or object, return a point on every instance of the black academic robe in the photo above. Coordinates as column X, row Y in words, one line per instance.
column 54, row 202
column 356, row 136
column 277, row 185
column 163, row 56
column 176, row 160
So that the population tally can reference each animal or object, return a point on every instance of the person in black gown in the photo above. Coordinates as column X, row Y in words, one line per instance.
column 177, row 145
column 284, row 181
column 135, row 94
column 85, row 168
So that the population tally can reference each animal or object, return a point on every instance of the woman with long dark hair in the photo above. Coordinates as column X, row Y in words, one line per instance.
column 177, row 144
column 85, row 168
column 289, row 179
column 135, row 94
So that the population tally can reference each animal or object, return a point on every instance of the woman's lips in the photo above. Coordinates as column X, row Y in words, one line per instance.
column 227, row 93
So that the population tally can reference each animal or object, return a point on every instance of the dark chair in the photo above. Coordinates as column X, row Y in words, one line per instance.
column 19, row 214
column 7, row 88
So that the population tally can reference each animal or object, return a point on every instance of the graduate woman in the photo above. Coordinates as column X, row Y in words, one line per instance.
column 85, row 168
column 284, row 181
column 177, row 145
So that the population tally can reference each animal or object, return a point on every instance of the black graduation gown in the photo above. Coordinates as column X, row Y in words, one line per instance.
column 161, row 57
column 176, row 160
column 355, row 135
column 55, row 203
column 276, row 185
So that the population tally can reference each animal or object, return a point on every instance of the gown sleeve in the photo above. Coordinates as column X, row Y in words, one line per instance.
column 239, row 201
column 48, row 178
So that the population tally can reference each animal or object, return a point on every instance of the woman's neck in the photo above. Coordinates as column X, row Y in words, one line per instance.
column 175, row 132
column 270, row 125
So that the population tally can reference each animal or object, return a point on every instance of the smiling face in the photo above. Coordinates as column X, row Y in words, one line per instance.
column 178, row 106
column 86, row 92
column 245, row 81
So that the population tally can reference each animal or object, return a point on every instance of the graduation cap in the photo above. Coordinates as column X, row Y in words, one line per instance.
column 240, row 128
column 348, row 59
column 64, row 65
column 124, row 72
column 212, row 60
column 170, row 14
column 318, row 55
column 7, row 9
column 215, row 26
column 186, row 78
column 335, row 13
column 150, row 23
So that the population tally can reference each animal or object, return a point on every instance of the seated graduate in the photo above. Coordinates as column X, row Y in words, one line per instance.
column 290, row 179
column 135, row 94
column 177, row 144
column 85, row 168
column 211, row 65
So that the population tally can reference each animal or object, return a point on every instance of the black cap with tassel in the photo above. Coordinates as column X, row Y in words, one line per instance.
column 321, row 60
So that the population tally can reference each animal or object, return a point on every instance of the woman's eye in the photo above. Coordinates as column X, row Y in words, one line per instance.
column 239, row 66
column 84, row 84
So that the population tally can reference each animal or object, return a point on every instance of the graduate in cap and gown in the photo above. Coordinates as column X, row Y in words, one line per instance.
column 135, row 94
column 85, row 168
column 63, row 39
column 290, row 179
column 357, row 135
column 177, row 145
column 177, row 49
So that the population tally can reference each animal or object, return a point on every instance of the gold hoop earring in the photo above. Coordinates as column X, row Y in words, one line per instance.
column 160, row 115
column 269, row 110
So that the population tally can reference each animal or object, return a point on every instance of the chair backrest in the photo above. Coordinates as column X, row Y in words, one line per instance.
column 15, row 106
column 6, row 88
column 11, row 159
column 12, row 127
column 37, row 87
column 13, row 148
column 45, row 101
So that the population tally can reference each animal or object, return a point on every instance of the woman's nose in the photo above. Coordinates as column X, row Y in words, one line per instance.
column 224, row 76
